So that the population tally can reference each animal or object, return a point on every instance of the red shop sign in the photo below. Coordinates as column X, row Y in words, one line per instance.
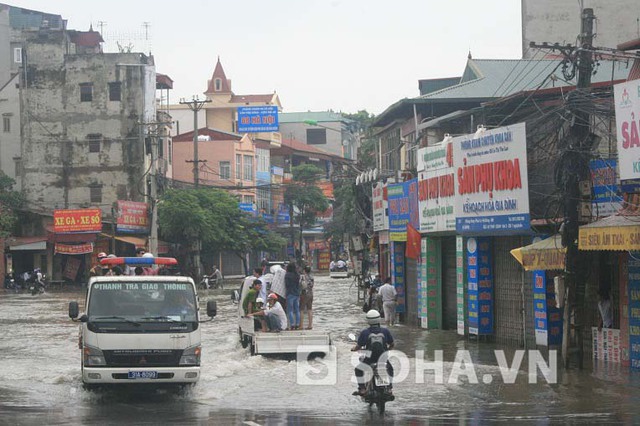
column 80, row 220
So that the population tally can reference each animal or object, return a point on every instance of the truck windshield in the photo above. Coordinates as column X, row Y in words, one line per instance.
column 141, row 302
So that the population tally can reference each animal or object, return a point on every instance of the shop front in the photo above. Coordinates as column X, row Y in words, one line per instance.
column 615, row 241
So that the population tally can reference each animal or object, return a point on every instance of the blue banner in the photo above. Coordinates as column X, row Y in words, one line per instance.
column 398, row 275
column 480, row 286
column 399, row 214
column 607, row 199
column 540, row 307
column 263, row 178
column 247, row 207
column 256, row 119
column 634, row 311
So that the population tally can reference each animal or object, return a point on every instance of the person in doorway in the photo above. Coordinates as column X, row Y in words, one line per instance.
column 376, row 340
column 388, row 296
column 292, row 285
column 306, row 297
column 604, row 306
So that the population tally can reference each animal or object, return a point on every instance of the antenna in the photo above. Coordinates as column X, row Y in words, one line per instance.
column 101, row 25
column 127, row 40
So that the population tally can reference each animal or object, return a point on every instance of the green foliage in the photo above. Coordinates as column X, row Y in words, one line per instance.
column 304, row 195
column 10, row 202
column 213, row 216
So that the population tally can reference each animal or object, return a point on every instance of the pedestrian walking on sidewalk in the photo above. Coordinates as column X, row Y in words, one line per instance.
column 388, row 294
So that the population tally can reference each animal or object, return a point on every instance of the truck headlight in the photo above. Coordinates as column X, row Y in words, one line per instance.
column 191, row 356
column 93, row 356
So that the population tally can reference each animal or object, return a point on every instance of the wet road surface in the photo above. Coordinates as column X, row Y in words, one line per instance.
column 40, row 377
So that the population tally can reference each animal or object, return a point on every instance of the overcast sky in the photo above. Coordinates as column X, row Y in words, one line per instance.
column 344, row 55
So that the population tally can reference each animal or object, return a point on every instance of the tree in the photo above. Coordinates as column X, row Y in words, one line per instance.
column 303, row 195
column 10, row 202
column 344, row 215
column 211, row 217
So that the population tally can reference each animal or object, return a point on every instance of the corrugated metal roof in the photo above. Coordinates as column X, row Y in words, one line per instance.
column 495, row 78
column 319, row 116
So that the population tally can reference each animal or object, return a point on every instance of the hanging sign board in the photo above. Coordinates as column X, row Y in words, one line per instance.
column 436, row 189
column 78, row 220
column 627, row 103
column 132, row 217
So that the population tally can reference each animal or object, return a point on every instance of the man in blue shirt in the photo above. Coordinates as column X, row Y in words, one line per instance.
column 376, row 340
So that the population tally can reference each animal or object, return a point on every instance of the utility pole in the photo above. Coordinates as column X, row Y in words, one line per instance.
column 573, row 151
column 195, row 105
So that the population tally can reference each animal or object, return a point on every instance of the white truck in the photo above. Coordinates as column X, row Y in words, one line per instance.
column 140, row 329
column 270, row 343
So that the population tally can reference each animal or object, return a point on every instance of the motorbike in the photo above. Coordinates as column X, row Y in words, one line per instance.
column 378, row 388
column 208, row 282
column 37, row 286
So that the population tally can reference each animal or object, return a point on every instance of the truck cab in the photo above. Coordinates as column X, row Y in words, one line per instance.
column 140, row 329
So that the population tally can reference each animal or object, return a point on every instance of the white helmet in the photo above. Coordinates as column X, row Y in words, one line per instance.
column 147, row 254
column 259, row 300
column 373, row 317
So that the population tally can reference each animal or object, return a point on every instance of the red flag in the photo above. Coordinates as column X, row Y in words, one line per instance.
column 413, row 243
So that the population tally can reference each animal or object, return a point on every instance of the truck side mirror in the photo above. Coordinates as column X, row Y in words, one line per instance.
column 212, row 308
column 73, row 310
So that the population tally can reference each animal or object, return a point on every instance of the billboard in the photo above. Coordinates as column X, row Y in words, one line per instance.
column 491, row 182
column 436, row 189
column 257, row 119
column 77, row 220
column 132, row 217
column 627, row 102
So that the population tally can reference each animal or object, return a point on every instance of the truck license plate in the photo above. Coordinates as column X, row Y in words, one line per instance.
column 143, row 374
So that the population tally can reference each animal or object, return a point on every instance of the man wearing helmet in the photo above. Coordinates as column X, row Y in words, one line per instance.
column 97, row 271
column 376, row 340
column 276, row 319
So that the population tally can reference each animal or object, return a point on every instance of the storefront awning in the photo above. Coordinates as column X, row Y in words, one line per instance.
column 544, row 255
column 138, row 242
column 28, row 243
column 618, row 232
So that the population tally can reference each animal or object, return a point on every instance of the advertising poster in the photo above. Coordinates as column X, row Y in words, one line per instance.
column 436, row 189
column 480, row 286
column 627, row 103
column 399, row 275
column 491, row 182
column 422, row 285
column 433, row 282
column 461, row 283
column 378, row 207
column 414, row 214
column 607, row 198
column 398, row 197
column 634, row 311
column 606, row 344
column 540, row 307
column 132, row 217
column 73, row 249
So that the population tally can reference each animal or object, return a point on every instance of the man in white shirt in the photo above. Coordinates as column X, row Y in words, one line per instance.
column 340, row 264
column 388, row 294
column 604, row 306
column 274, row 314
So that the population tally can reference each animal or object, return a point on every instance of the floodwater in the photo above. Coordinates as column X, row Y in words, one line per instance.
column 40, row 377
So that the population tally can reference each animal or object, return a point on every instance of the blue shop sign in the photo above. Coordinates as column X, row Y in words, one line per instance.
column 257, row 119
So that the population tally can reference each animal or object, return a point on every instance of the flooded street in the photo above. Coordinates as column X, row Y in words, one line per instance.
column 40, row 377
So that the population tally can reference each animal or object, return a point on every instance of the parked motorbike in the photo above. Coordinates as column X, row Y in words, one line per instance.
column 378, row 388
